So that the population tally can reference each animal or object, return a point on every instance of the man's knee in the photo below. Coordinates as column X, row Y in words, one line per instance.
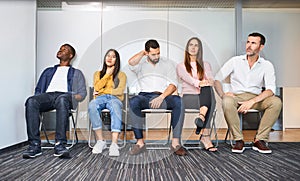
column 177, row 100
column 30, row 102
column 227, row 101
column 275, row 102
column 62, row 101
column 134, row 101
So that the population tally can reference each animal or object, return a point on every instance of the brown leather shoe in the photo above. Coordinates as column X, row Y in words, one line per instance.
column 238, row 147
column 179, row 150
column 261, row 146
column 136, row 149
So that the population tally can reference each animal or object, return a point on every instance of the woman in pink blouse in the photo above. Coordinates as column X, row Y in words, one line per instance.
column 197, row 93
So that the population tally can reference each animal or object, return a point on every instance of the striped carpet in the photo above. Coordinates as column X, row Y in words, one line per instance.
column 282, row 164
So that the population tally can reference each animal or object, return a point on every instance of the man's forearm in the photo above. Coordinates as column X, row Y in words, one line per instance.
column 169, row 90
column 219, row 88
column 265, row 94
column 136, row 58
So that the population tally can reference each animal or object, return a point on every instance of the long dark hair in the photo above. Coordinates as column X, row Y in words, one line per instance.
column 117, row 67
column 199, row 62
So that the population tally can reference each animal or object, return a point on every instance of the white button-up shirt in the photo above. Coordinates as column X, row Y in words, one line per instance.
column 243, row 79
column 155, row 77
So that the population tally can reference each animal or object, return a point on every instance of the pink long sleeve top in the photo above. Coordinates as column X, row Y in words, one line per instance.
column 190, row 84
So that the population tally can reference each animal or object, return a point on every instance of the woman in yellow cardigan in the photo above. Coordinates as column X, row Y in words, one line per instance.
column 109, row 85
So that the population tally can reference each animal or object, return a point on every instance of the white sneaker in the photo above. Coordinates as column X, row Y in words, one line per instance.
column 114, row 150
column 99, row 147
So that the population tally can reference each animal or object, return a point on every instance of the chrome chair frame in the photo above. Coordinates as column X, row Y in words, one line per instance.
column 228, row 134
column 74, row 123
column 213, row 128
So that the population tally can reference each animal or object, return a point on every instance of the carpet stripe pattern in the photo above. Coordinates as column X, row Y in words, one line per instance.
column 282, row 164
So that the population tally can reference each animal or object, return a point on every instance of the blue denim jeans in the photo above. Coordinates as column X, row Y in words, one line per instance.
column 110, row 102
column 141, row 101
column 36, row 104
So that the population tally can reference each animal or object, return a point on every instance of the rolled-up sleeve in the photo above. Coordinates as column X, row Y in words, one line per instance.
column 270, row 78
column 225, row 70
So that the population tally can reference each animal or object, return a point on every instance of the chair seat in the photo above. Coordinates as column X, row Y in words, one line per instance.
column 156, row 111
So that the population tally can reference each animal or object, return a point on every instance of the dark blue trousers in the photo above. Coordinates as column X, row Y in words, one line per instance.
column 141, row 101
column 36, row 104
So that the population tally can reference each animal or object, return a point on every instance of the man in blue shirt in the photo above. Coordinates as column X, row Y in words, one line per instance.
column 60, row 87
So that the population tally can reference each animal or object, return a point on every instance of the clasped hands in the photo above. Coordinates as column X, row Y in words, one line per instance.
column 206, row 82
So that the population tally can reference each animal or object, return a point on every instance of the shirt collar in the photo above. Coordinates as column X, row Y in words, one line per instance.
column 260, row 59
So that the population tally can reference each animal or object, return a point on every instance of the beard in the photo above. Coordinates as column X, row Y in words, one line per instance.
column 154, row 61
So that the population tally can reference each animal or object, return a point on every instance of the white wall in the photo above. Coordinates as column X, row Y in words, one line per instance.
column 282, row 30
column 17, row 70
column 126, row 29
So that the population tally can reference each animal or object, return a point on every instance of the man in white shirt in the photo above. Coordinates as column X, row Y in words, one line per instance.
column 248, row 75
column 157, row 80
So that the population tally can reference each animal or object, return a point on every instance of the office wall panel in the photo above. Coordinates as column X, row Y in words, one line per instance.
column 126, row 29
column 17, row 51
column 282, row 30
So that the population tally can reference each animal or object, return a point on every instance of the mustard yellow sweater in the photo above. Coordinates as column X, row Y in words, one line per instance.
column 105, row 85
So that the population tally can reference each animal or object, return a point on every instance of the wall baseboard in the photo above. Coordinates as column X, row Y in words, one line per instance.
column 7, row 149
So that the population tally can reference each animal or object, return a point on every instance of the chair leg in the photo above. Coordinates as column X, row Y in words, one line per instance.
column 43, row 128
column 124, row 137
column 75, row 136
column 214, row 128
column 74, row 123
column 125, row 132
column 90, row 135
column 45, row 133
column 165, row 145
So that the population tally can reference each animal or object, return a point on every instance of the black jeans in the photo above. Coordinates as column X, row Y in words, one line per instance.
column 36, row 104
column 205, row 98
